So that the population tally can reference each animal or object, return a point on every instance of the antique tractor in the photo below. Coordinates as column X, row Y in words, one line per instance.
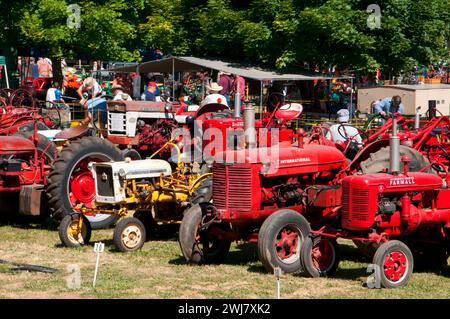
column 264, row 197
column 405, row 215
column 25, row 160
column 143, row 193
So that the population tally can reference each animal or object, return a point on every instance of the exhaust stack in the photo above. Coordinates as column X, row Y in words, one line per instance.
column 417, row 119
column 394, row 149
column 237, row 101
column 249, row 126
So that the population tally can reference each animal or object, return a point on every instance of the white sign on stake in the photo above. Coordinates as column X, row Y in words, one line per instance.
column 98, row 248
column 277, row 273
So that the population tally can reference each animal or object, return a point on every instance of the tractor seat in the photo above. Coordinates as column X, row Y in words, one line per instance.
column 289, row 111
column 15, row 145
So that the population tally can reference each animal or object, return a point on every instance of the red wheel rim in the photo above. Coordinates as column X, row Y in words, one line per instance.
column 81, row 182
column 323, row 255
column 287, row 244
column 395, row 266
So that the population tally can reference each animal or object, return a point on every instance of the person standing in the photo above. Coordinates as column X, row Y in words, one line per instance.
column 151, row 92
column 239, row 79
column 44, row 68
column 226, row 82
column 388, row 106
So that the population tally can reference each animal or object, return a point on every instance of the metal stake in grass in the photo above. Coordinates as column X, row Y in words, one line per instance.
column 98, row 248
column 277, row 273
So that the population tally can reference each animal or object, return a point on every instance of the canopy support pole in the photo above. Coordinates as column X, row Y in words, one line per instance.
column 261, row 101
column 173, row 79
column 351, row 98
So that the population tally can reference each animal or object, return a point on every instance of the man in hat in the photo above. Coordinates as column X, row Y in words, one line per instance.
column 119, row 95
column 213, row 95
column 151, row 93
column 388, row 106
column 343, row 131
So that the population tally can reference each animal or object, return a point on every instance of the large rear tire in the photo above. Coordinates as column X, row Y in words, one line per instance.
column 71, row 183
column 379, row 161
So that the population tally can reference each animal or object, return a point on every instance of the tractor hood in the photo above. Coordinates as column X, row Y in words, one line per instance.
column 394, row 183
column 288, row 160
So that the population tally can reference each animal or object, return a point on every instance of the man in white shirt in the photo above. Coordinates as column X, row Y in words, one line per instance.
column 119, row 95
column 343, row 131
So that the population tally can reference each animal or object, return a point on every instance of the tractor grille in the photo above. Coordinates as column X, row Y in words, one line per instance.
column 117, row 123
column 105, row 186
column 355, row 203
column 232, row 187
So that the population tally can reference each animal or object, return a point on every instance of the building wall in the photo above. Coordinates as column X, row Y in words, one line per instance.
column 411, row 98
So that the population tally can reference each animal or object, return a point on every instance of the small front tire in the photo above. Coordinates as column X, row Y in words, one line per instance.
column 129, row 234
column 70, row 233
column 394, row 262
column 320, row 256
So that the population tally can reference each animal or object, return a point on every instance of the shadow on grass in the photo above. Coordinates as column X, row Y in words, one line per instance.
column 243, row 254
column 29, row 222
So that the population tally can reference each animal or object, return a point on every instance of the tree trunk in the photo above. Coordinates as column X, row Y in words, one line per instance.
column 57, row 71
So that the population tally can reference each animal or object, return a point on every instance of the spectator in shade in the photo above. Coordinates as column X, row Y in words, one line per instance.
column 152, row 91
column 226, row 82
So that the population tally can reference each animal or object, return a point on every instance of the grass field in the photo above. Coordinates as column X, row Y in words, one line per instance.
column 159, row 271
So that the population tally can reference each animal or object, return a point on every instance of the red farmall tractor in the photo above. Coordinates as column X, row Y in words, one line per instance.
column 406, row 215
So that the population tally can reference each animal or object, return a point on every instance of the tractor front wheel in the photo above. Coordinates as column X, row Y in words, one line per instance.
column 129, row 234
column 394, row 263
column 320, row 256
column 280, row 238
column 70, row 232
column 196, row 243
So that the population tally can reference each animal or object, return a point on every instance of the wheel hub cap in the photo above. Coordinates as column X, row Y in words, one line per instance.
column 131, row 236
column 395, row 265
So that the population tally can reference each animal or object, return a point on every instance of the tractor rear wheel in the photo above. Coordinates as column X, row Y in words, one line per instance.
column 70, row 233
column 195, row 243
column 280, row 239
column 379, row 161
column 71, row 183
column 394, row 262
column 129, row 234
column 320, row 256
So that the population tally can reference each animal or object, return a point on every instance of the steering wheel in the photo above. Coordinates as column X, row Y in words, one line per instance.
column 222, row 114
column 344, row 134
column 275, row 99
column 428, row 112
column 55, row 120
column 372, row 119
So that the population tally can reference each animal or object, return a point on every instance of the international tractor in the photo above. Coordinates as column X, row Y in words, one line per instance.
column 277, row 198
column 144, row 194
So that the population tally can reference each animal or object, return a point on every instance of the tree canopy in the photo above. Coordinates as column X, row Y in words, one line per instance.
column 276, row 33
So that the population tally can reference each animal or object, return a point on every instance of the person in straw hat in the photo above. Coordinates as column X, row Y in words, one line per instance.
column 213, row 95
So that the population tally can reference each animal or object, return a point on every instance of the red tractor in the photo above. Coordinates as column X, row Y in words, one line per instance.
column 25, row 160
column 406, row 215
column 254, row 202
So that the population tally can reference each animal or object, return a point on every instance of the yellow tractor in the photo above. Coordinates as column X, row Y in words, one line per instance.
column 142, row 193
